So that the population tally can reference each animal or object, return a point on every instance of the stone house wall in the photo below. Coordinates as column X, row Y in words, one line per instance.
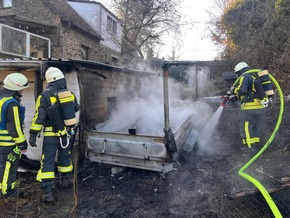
column 67, row 41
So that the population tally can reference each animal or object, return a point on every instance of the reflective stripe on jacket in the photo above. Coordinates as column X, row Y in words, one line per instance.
column 246, row 92
column 41, row 118
column 12, row 118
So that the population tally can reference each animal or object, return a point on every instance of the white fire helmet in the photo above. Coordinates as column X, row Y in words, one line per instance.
column 53, row 74
column 240, row 66
column 16, row 82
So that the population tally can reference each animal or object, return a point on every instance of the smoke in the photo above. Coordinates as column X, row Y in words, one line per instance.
column 145, row 110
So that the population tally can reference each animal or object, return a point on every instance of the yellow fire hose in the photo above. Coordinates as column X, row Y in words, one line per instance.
column 255, row 182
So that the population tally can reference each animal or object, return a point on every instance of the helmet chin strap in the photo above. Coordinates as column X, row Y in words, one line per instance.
column 18, row 95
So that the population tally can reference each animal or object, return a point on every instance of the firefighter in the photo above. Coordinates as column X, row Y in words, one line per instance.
column 252, row 108
column 12, row 139
column 55, row 142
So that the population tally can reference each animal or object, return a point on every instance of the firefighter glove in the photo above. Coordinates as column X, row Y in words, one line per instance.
column 231, row 91
column 233, row 98
column 14, row 155
column 22, row 146
column 32, row 139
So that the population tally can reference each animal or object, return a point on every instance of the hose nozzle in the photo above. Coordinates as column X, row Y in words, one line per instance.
column 225, row 99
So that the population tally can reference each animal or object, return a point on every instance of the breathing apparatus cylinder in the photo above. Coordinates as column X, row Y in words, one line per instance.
column 66, row 100
column 266, row 82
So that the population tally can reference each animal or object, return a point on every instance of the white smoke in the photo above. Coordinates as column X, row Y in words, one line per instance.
column 146, row 111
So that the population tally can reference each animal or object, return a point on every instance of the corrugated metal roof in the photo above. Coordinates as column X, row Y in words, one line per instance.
column 62, row 63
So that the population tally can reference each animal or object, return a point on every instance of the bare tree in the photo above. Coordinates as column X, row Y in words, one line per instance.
column 145, row 21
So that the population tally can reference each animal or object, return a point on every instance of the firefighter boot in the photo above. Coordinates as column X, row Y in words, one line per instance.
column 47, row 193
column 66, row 180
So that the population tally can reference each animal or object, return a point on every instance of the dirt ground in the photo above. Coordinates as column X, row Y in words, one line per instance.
column 204, row 184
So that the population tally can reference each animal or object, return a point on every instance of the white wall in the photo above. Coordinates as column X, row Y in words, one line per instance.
column 96, row 16
column 28, row 101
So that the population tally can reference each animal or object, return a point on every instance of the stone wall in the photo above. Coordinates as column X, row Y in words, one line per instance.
column 73, row 41
column 99, row 96
column 67, row 41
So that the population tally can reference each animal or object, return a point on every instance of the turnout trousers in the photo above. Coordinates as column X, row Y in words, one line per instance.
column 53, row 154
column 8, row 170
column 250, row 126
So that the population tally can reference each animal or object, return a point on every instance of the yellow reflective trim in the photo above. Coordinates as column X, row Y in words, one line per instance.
column 1, row 104
column 52, row 99
column 35, row 126
column 65, row 169
column 246, row 129
column 66, row 99
column 21, row 137
column 5, row 138
column 249, row 140
column 252, row 105
column 48, row 128
column 7, row 144
column 239, row 86
column 38, row 177
column 6, row 177
column 48, row 132
column 44, row 175
column 4, row 131
column 266, row 82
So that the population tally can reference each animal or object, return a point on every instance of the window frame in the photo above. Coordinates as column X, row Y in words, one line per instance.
column 6, row 3
column 112, row 25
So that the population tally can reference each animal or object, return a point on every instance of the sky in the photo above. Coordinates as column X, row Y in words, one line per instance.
column 197, row 45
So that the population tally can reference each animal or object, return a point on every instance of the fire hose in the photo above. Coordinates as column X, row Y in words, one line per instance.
column 254, row 181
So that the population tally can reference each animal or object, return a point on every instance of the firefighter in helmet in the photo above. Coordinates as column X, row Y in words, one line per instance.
column 12, row 139
column 55, row 142
column 252, row 108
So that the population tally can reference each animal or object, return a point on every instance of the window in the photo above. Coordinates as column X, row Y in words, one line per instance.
column 14, row 41
column 24, row 44
column 39, row 47
column 115, row 59
column 111, row 25
column 84, row 52
column 6, row 3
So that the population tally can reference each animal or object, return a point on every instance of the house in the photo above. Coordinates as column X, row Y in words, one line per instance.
column 53, row 29
column 102, row 20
